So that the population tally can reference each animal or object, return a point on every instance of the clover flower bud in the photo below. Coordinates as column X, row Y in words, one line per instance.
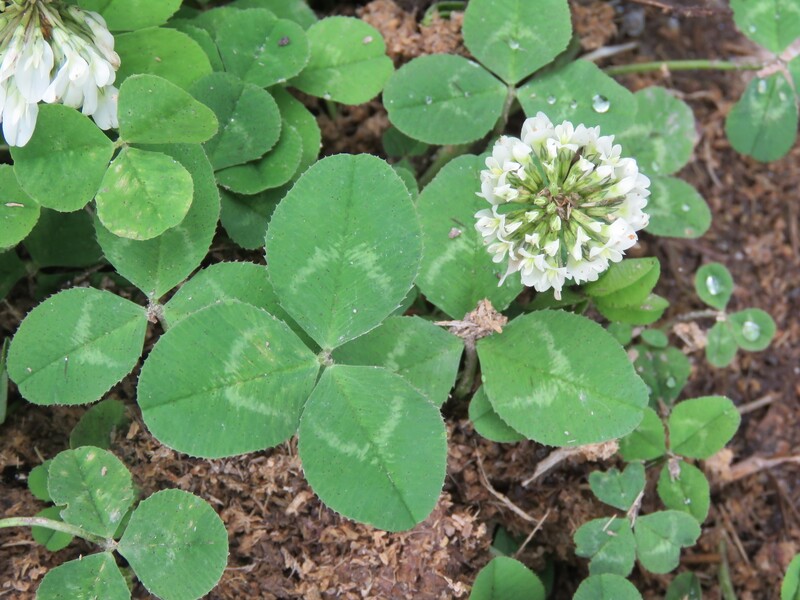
column 564, row 203
column 54, row 53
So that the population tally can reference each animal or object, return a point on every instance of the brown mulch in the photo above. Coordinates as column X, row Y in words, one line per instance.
column 286, row 545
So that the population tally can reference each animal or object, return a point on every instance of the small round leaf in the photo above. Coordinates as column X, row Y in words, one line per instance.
column 143, row 194
column 444, row 99
column 714, row 285
column 676, row 209
column 273, row 170
column 514, row 38
column 49, row 538
column 663, row 134
column 618, row 489
column 660, row 537
column 701, row 427
column 773, row 24
column 721, row 346
column 790, row 588
column 260, row 48
column 752, row 328
column 157, row 265
column 94, row 486
column 763, row 124
column 154, row 111
column 168, row 53
column 348, row 61
column 61, row 167
column 176, row 544
column 250, row 123
column 689, row 492
column 609, row 544
column 647, row 442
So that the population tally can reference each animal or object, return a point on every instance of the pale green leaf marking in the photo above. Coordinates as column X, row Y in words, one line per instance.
column 75, row 345
column 340, row 275
column 246, row 393
column 378, row 460
column 574, row 386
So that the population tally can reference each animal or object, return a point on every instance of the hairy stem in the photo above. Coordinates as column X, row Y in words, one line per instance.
column 683, row 65
column 105, row 543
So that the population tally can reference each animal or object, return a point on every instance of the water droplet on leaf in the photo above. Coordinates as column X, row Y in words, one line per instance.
column 600, row 104
column 513, row 44
column 751, row 331
column 670, row 382
column 428, row 100
column 685, row 207
column 762, row 86
column 713, row 286
column 551, row 99
column 574, row 104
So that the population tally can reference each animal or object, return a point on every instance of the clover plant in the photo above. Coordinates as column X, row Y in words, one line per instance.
column 195, row 123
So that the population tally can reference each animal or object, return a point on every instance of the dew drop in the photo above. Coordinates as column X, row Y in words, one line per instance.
column 670, row 382
column 751, row 331
column 551, row 99
column 355, row 310
column 782, row 96
column 600, row 104
column 574, row 104
column 687, row 501
column 762, row 86
column 533, row 95
column 513, row 44
column 713, row 286
column 367, row 40
column 326, row 96
column 428, row 100
column 655, row 166
column 685, row 208
column 566, row 433
column 752, row 29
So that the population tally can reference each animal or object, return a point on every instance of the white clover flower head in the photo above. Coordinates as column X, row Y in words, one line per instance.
column 564, row 203
column 54, row 53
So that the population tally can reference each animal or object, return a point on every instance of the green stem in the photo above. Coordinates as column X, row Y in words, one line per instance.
column 443, row 156
column 500, row 127
column 105, row 543
column 467, row 379
column 683, row 65
column 724, row 574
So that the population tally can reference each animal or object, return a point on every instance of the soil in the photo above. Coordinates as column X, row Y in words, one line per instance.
column 286, row 545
